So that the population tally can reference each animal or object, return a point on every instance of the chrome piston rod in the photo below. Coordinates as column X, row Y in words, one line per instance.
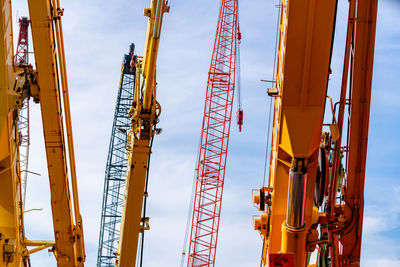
column 297, row 194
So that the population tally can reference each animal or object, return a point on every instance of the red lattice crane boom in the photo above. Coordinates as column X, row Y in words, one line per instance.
column 22, row 60
column 21, row 56
column 214, row 139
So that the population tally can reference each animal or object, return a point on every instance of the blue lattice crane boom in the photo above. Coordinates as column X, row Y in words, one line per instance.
column 117, row 160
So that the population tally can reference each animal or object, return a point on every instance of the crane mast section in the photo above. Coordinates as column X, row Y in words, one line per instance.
column 12, row 246
column 305, row 42
column 214, row 140
column 45, row 18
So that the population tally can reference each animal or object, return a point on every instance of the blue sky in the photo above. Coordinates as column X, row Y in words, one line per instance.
column 98, row 33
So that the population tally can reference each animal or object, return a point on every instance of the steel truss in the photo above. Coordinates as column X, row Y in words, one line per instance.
column 115, row 174
column 214, row 140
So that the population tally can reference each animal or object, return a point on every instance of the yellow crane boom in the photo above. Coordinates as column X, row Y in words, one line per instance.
column 48, row 85
column 46, row 31
column 144, row 114
column 11, row 213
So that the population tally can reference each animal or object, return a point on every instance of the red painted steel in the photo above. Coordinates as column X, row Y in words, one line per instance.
column 214, row 140
column 21, row 56
column 22, row 60
column 281, row 260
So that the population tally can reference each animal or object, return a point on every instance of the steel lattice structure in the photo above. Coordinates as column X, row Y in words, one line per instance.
column 22, row 60
column 21, row 56
column 115, row 174
column 214, row 140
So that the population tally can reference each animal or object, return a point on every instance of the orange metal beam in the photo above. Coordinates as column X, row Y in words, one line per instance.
column 361, row 83
column 302, row 75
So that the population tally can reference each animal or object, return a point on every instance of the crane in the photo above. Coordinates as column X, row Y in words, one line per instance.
column 117, row 160
column 47, row 85
column 144, row 115
column 314, row 199
column 22, row 60
column 210, row 171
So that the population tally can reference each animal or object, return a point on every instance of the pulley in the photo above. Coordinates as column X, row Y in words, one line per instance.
column 322, row 176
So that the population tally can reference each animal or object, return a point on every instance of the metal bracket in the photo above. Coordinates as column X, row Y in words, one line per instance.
column 273, row 92
column 146, row 226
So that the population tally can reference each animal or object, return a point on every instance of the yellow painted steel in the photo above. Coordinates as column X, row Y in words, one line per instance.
column 51, row 77
column 155, row 14
column 133, row 201
column 302, row 73
column 12, row 248
column 144, row 114
column 294, row 240
column 39, row 244
column 46, row 28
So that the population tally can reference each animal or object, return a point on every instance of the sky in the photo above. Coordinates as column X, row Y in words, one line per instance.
column 97, row 33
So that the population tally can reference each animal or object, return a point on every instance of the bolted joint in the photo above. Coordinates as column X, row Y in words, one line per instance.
column 78, row 235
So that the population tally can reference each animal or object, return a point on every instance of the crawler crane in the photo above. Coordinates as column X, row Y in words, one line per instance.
column 47, row 85
column 144, row 115
column 311, row 201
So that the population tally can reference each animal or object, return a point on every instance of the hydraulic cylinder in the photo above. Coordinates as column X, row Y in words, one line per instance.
column 293, row 229
column 296, row 200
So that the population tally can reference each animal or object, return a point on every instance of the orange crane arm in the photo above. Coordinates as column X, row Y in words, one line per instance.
column 302, row 76
column 362, row 58
column 300, row 202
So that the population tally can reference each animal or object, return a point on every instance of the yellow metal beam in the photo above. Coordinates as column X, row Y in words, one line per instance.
column 34, row 243
column 133, row 201
column 155, row 14
column 47, row 39
column 11, row 216
column 144, row 116
column 39, row 244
